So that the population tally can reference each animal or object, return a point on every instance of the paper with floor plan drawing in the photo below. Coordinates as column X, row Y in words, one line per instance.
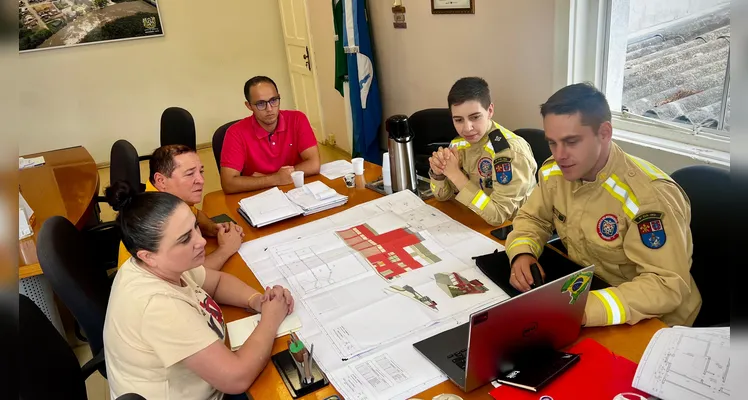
column 340, row 270
column 686, row 363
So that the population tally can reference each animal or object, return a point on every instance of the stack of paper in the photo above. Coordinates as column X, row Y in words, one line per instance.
column 240, row 329
column 336, row 169
column 268, row 207
column 315, row 196
column 25, row 215
column 30, row 162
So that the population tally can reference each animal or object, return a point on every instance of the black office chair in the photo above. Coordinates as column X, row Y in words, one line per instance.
column 432, row 128
column 104, row 237
column 540, row 151
column 539, row 145
column 178, row 127
column 708, row 189
column 124, row 164
column 49, row 369
column 217, row 144
column 65, row 259
column 131, row 396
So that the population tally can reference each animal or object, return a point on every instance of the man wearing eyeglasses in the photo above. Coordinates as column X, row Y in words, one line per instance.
column 262, row 150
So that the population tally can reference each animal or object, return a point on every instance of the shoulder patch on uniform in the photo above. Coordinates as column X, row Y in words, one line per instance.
column 498, row 141
column 651, row 229
column 484, row 167
column 503, row 168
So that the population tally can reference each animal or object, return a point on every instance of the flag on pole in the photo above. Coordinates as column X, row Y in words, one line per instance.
column 341, row 64
column 366, row 103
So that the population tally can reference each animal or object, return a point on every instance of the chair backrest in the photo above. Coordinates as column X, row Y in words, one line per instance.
column 539, row 145
column 131, row 396
column 432, row 127
column 103, row 240
column 83, row 287
column 178, row 127
column 217, row 144
column 124, row 164
column 708, row 190
column 50, row 369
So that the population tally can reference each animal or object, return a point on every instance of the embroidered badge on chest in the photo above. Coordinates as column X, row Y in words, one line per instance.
column 651, row 229
column 607, row 227
column 484, row 167
column 503, row 167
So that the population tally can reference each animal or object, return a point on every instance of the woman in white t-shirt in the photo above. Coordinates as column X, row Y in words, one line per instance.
column 164, row 331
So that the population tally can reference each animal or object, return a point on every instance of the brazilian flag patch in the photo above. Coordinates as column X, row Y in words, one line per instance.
column 576, row 285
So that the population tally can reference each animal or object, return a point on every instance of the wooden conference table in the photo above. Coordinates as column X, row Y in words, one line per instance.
column 627, row 341
column 65, row 185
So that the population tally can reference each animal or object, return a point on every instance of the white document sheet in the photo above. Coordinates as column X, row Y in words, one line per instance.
column 336, row 169
column 36, row 161
column 365, row 285
column 686, row 363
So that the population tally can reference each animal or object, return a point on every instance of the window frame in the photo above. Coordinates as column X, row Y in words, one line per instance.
column 590, row 24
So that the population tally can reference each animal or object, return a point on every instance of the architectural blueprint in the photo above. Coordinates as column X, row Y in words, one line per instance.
column 686, row 363
column 342, row 270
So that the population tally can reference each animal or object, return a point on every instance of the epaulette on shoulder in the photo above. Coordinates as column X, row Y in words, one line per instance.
column 649, row 169
column 550, row 168
column 498, row 141
column 459, row 143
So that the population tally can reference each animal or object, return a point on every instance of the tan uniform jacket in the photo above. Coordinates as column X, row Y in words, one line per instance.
column 501, row 169
column 632, row 223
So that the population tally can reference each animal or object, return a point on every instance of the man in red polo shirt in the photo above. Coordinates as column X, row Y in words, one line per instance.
column 263, row 149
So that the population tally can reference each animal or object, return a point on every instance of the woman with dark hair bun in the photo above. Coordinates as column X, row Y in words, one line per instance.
column 164, row 332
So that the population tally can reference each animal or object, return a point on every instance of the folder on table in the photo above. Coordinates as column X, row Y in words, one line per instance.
column 599, row 374
column 273, row 205
column 239, row 330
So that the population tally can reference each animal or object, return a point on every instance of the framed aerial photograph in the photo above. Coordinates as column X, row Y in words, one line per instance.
column 453, row 6
column 49, row 24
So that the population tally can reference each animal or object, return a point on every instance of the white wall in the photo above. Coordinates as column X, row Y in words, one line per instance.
column 666, row 161
column 95, row 94
column 507, row 42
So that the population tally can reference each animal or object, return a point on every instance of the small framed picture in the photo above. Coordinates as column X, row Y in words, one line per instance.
column 453, row 6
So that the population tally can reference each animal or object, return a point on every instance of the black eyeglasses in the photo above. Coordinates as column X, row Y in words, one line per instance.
column 273, row 103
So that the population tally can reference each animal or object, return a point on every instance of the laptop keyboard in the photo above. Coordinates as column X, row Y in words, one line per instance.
column 459, row 358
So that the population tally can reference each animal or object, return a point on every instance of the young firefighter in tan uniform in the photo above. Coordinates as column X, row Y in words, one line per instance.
column 610, row 209
column 491, row 169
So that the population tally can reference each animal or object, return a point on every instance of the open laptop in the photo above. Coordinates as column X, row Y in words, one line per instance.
column 529, row 324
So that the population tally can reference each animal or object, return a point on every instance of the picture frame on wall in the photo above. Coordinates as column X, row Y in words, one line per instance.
column 55, row 24
column 453, row 6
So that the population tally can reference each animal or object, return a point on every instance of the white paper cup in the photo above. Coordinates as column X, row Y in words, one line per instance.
column 358, row 166
column 298, row 178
